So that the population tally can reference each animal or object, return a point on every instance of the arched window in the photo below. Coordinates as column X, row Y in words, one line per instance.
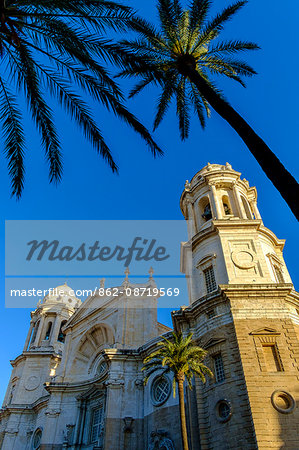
column 61, row 335
column 160, row 390
column 226, row 205
column 207, row 213
column 210, row 279
column 247, row 209
column 205, row 210
column 48, row 333
column 34, row 333
column 36, row 439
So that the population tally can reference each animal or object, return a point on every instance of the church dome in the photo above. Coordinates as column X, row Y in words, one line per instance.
column 62, row 294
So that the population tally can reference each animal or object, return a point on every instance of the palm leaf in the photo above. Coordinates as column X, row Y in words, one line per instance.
column 14, row 145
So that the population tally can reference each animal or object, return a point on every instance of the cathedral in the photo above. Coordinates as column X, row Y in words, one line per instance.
column 78, row 383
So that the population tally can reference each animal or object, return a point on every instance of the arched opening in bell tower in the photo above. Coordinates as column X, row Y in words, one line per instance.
column 61, row 335
column 246, row 208
column 226, row 206
column 34, row 333
column 205, row 210
column 48, row 332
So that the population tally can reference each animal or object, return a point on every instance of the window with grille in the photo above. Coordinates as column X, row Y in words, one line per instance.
column 210, row 279
column 96, row 424
column 271, row 358
column 160, row 390
column 278, row 274
column 102, row 367
column 37, row 439
column 218, row 368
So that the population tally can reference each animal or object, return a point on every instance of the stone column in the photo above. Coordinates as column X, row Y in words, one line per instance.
column 55, row 330
column 39, row 332
column 49, row 431
column 28, row 337
column 202, row 412
column 78, row 432
column 9, row 439
column 216, row 205
column 191, row 221
column 114, row 435
column 140, row 438
column 12, row 435
column 255, row 210
column 239, row 203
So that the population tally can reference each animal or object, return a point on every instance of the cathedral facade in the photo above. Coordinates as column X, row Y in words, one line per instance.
column 78, row 383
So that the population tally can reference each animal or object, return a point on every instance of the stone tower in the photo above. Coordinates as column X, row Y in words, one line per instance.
column 38, row 362
column 245, row 312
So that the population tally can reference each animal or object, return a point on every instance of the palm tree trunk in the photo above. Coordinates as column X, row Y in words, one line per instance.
column 273, row 168
column 180, row 381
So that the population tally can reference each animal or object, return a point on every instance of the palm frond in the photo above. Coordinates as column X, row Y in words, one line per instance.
column 183, row 109
column 198, row 13
column 40, row 111
column 196, row 100
column 55, row 44
column 14, row 145
column 141, row 85
column 79, row 111
column 232, row 46
column 165, row 99
column 170, row 13
column 212, row 29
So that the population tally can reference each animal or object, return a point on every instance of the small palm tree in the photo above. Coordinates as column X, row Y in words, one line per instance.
column 180, row 57
column 58, row 47
column 180, row 356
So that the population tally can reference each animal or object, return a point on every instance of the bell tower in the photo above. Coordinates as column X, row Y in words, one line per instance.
column 228, row 242
column 43, row 346
column 244, row 311
column 47, row 321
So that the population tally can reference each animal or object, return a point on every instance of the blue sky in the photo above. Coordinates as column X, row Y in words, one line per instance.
column 151, row 189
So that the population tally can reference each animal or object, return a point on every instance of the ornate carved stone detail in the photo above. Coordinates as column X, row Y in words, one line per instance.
column 68, row 433
column 243, row 259
column 114, row 383
column 53, row 412
column 32, row 383
column 160, row 439
column 139, row 383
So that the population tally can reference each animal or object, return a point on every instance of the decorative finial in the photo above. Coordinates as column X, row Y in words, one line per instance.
column 127, row 273
column 228, row 166
column 102, row 282
column 151, row 272
column 187, row 186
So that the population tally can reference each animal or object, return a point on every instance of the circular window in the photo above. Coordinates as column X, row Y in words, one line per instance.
column 283, row 402
column 102, row 367
column 160, row 390
column 37, row 439
column 223, row 410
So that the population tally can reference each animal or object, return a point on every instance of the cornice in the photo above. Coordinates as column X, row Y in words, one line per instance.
column 36, row 354
column 25, row 408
